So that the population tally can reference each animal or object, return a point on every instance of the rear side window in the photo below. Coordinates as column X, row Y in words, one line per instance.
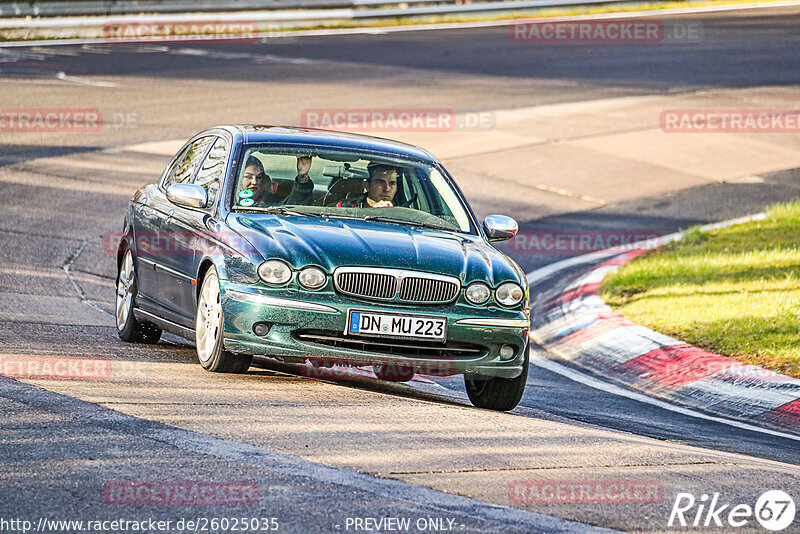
column 210, row 174
column 191, row 160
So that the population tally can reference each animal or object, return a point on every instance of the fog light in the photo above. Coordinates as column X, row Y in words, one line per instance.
column 261, row 329
column 506, row 352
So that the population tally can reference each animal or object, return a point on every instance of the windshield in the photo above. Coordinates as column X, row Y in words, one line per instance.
column 336, row 183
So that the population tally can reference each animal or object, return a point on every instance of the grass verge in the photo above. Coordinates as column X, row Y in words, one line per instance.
column 734, row 291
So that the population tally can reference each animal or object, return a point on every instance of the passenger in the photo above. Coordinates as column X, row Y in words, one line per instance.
column 257, row 181
column 381, row 187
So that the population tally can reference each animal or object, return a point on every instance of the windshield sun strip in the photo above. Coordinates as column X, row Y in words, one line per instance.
column 320, row 150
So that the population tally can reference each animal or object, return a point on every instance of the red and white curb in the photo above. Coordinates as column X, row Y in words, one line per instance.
column 574, row 323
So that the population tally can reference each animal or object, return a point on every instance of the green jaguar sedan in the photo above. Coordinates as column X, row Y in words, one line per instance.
column 321, row 248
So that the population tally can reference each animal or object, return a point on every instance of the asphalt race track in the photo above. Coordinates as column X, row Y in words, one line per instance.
column 573, row 144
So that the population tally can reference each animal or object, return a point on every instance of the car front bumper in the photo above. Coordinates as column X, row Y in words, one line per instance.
column 291, row 314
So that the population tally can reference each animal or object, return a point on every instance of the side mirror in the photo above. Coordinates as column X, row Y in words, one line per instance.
column 500, row 227
column 187, row 195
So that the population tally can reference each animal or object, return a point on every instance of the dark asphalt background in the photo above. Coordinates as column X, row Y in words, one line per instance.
column 739, row 49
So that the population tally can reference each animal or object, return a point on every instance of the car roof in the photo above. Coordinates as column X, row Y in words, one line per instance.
column 252, row 133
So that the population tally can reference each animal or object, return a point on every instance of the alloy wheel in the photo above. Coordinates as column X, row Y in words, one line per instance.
column 124, row 290
column 209, row 310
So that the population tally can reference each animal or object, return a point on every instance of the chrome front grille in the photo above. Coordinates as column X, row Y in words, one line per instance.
column 370, row 285
column 418, row 289
column 396, row 285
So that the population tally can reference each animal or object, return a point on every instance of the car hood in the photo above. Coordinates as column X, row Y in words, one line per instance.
column 335, row 242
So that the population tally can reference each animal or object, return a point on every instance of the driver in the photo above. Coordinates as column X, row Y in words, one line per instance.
column 259, row 182
column 381, row 187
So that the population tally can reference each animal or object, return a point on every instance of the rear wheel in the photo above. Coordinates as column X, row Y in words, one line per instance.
column 393, row 372
column 128, row 328
column 495, row 393
column 209, row 331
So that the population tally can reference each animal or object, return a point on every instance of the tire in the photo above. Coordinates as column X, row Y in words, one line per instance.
column 128, row 328
column 393, row 372
column 501, row 394
column 209, row 331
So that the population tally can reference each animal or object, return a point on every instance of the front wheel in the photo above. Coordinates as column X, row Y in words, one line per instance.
column 209, row 332
column 128, row 328
column 501, row 394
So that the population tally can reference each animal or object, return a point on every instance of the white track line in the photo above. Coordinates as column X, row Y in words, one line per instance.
column 83, row 81
column 602, row 385
column 429, row 27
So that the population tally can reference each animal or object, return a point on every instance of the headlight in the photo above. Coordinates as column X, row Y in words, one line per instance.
column 509, row 294
column 477, row 293
column 274, row 272
column 312, row 278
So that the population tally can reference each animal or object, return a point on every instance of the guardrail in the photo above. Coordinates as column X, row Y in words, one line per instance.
column 45, row 8
column 282, row 10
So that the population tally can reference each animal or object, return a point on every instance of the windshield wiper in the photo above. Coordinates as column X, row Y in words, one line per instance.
column 394, row 220
column 275, row 210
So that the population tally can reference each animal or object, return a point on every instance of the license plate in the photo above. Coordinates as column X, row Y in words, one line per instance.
column 363, row 323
